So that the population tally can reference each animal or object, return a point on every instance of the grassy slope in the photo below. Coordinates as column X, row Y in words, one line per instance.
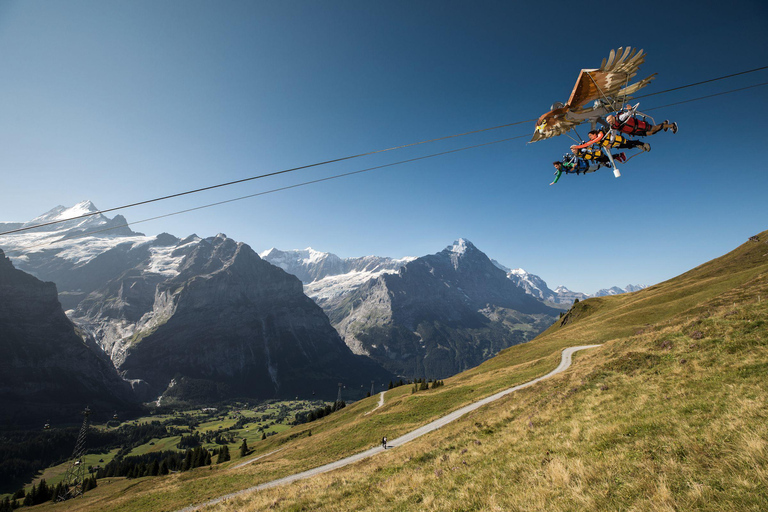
column 669, row 414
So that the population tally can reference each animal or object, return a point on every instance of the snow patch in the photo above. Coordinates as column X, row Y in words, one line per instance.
column 81, row 208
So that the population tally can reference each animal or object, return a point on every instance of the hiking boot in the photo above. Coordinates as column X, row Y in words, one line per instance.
column 622, row 157
column 646, row 146
column 674, row 127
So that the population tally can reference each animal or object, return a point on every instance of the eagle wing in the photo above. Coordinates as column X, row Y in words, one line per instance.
column 609, row 82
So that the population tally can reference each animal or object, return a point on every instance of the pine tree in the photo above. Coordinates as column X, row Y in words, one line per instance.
column 244, row 447
column 164, row 468
column 198, row 459
column 187, row 465
column 31, row 497
column 57, row 492
column 263, row 436
column 43, row 493
column 223, row 454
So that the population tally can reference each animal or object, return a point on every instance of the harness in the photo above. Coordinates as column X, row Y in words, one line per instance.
column 613, row 141
column 632, row 126
column 591, row 154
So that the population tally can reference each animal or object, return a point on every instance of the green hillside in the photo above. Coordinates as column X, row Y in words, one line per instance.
column 669, row 414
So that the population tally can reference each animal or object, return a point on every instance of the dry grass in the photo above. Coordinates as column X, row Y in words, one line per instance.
column 670, row 414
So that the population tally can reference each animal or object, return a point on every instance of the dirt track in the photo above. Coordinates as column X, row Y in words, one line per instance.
column 565, row 362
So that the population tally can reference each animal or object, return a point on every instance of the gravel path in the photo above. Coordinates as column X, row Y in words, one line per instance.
column 381, row 403
column 565, row 362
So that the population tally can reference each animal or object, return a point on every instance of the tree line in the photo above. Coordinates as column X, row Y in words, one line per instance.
column 320, row 412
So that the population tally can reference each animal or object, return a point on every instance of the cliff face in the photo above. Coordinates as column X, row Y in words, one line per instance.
column 440, row 314
column 227, row 324
column 46, row 369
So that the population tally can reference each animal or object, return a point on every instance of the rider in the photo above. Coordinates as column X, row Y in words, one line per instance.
column 572, row 164
column 627, row 122
column 597, row 155
column 610, row 140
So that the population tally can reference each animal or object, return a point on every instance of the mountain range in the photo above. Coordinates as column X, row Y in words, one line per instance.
column 193, row 319
column 423, row 317
column 201, row 319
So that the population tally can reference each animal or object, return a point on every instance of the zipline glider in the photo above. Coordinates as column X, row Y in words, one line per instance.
column 600, row 96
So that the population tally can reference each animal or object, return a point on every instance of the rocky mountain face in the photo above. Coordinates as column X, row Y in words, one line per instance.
column 565, row 296
column 327, row 278
column 439, row 314
column 310, row 265
column 48, row 371
column 537, row 287
column 65, row 252
column 193, row 319
column 225, row 324
column 615, row 290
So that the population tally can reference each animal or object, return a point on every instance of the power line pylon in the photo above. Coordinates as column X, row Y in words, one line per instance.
column 75, row 476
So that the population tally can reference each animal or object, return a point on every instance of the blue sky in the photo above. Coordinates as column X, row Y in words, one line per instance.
column 121, row 101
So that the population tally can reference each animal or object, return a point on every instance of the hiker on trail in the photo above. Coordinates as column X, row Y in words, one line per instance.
column 384, row 442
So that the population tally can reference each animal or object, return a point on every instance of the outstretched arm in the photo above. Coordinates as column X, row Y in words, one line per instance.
column 590, row 142
column 557, row 177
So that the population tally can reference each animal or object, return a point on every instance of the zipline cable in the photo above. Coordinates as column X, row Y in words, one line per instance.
column 252, row 178
column 336, row 160
column 708, row 96
column 319, row 180
column 337, row 176
column 700, row 83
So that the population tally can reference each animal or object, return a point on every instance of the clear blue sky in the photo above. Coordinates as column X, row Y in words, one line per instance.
column 121, row 101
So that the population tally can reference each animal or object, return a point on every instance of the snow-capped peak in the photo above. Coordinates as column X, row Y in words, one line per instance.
column 460, row 246
column 313, row 256
column 268, row 252
column 81, row 208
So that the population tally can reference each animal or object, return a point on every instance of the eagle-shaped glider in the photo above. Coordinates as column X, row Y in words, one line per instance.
column 608, row 87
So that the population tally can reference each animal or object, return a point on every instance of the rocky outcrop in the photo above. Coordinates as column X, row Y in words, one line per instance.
column 227, row 324
column 312, row 266
column 47, row 370
column 439, row 314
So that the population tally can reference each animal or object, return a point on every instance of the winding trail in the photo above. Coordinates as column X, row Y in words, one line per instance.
column 381, row 403
column 565, row 362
